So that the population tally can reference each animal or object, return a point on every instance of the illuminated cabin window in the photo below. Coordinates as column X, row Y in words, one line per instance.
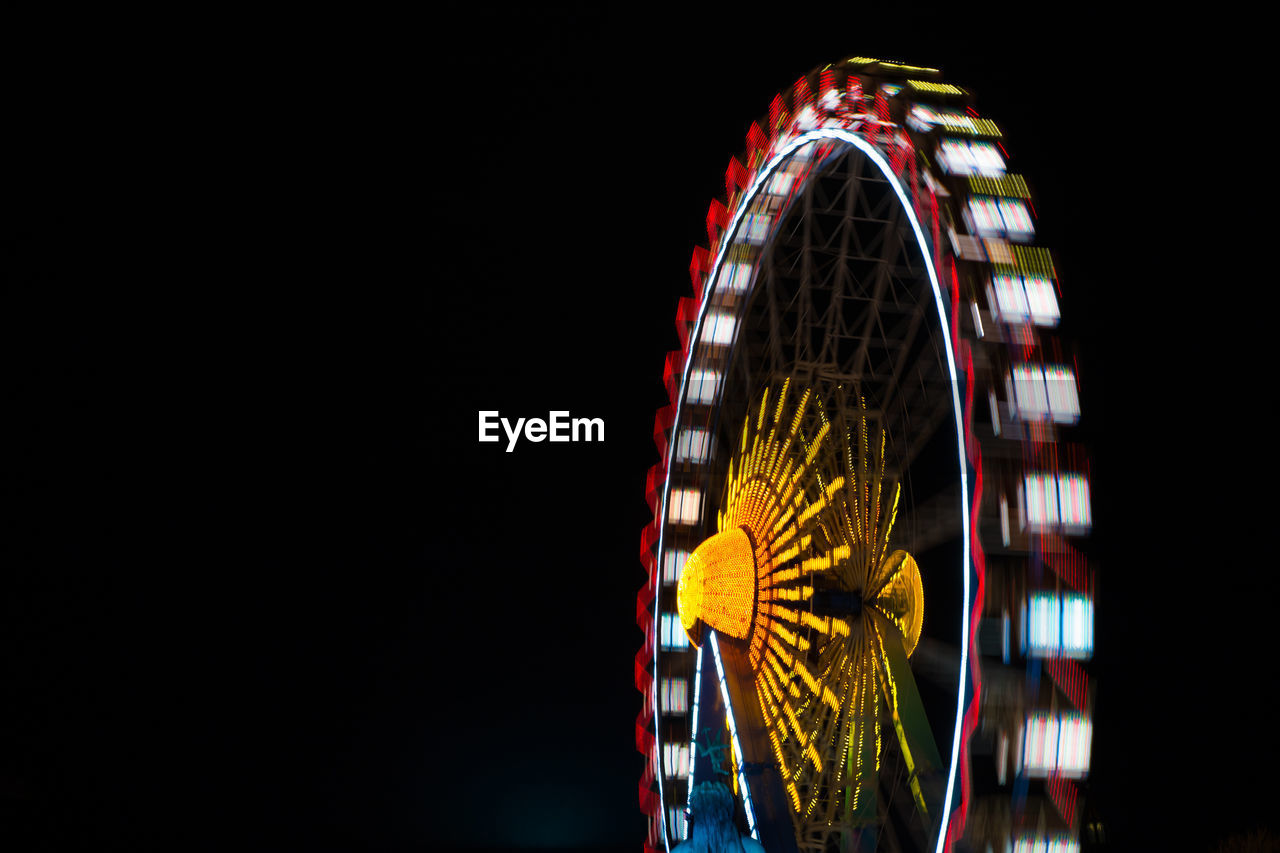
column 1058, row 626
column 673, row 564
column 1040, row 745
column 717, row 328
column 919, row 119
column 968, row 157
column 675, row 760
column 755, row 228
column 984, row 214
column 1075, row 737
column 1077, row 626
column 1017, row 221
column 1011, row 299
column 1064, row 401
column 1057, row 743
column 923, row 118
column 1041, row 501
column 1057, row 502
column 679, row 824
column 806, row 119
column 684, row 506
column 1046, row 844
column 1073, row 502
column 801, row 155
column 1043, row 620
column 704, row 385
column 1041, row 300
column 781, row 182
column 1018, row 299
column 734, row 278
column 1029, row 398
column 675, row 695
column 693, row 445
column 1040, row 393
column 989, row 216
column 673, row 635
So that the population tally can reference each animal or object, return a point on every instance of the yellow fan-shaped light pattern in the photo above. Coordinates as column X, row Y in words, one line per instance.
column 805, row 514
column 718, row 585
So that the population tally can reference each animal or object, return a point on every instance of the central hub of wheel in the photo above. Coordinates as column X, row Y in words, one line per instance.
column 837, row 602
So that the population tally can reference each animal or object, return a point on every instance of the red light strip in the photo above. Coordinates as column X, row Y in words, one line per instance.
column 1068, row 564
column 777, row 114
column 757, row 145
column 1071, row 679
column 699, row 266
column 801, row 95
column 735, row 175
column 826, row 80
column 881, row 110
column 717, row 221
column 1063, row 793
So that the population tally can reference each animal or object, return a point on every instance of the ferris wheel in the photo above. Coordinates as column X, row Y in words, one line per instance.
column 870, row 408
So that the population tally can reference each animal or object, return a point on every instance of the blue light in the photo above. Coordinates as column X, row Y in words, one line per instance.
column 693, row 744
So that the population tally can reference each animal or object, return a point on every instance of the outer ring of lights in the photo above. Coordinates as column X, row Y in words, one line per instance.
column 763, row 175
column 968, row 446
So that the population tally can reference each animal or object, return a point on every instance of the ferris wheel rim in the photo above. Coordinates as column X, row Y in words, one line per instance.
column 713, row 377
column 763, row 175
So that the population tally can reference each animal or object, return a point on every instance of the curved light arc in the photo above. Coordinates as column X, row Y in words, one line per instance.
column 874, row 155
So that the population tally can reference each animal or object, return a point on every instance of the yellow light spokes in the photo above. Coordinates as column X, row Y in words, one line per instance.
column 780, row 577
column 784, row 656
column 803, row 593
column 821, row 624
column 800, row 512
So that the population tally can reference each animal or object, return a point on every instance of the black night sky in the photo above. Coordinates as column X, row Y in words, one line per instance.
column 264, row 589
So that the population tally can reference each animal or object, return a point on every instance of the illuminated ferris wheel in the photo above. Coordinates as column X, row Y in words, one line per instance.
column 869, row 408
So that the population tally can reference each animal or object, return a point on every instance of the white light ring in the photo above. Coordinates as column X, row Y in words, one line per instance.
column 693, row 745
column 733, row 736
column 763, row 175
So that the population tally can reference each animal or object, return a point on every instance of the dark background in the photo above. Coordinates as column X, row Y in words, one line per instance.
column 264, row 588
